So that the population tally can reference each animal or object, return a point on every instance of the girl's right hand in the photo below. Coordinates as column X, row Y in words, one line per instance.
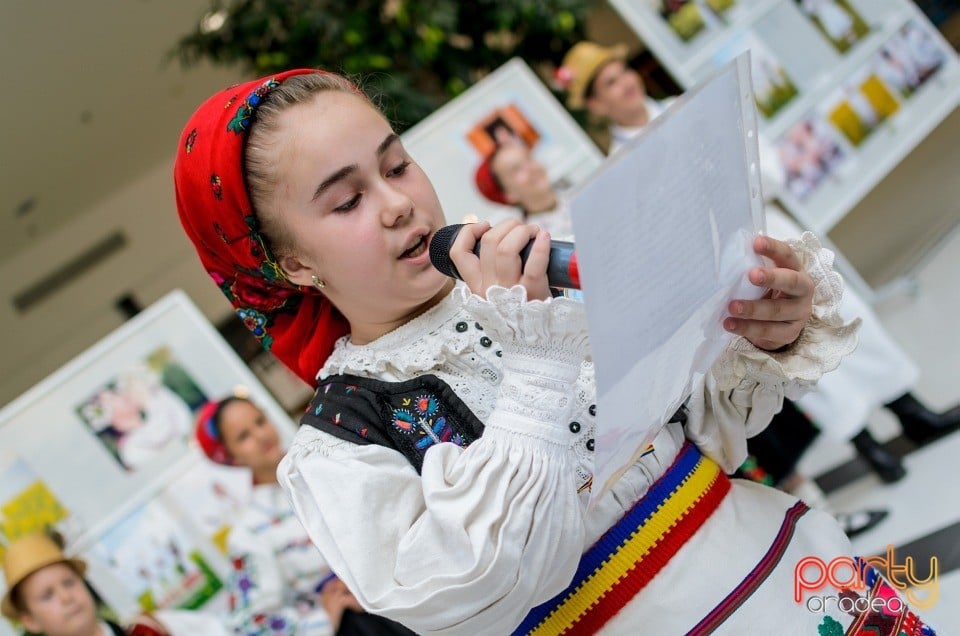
column 499, row 261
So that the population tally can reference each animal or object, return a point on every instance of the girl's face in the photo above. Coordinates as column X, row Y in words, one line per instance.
column 360, row 212
column 251, row 439
column 58, row 603
column 522, row 177
column 618, row 92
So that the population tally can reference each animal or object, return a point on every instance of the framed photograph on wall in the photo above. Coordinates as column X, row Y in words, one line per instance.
column 163, row 363
column 809, row 153
column 511, row 105
column 171, row 349
column 837, row 20
column 773, row 88
column 158, row 561
column 861, row 106
column 685, row 33
column 909, row 59
column 501, row 127
column 143, row 409
column 29, row 506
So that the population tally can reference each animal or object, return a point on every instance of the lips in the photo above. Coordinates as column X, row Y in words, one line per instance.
column 417, row 246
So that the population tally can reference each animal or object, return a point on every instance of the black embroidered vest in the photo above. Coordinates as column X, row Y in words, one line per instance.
column 409, row 416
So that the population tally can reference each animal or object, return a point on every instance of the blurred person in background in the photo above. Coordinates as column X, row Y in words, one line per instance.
column 280, row 583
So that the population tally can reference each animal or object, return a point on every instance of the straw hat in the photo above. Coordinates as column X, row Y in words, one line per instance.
column 581, row 64
column 25, row 556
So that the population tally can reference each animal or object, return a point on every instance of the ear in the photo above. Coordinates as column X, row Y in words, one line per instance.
column 297, row 272
column 30, row 623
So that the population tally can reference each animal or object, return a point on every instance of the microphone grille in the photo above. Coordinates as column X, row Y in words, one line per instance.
column 440, row 246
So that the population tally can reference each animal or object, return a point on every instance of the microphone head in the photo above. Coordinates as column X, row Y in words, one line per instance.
column 440, row 246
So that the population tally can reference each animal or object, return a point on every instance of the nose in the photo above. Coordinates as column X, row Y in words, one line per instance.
column 65, row 595
column 397, row 205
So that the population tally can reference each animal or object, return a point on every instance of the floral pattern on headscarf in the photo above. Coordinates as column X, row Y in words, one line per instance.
column 298, row 325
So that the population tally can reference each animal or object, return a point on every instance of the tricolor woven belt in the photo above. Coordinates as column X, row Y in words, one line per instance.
column 631, row 553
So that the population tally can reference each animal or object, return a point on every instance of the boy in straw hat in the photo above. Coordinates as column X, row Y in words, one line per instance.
column 47, row 594
column 46, row 591
column 598, row 79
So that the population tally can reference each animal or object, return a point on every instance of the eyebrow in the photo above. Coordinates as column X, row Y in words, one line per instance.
column 386, row 143
column 346, row 171
column 333, row 179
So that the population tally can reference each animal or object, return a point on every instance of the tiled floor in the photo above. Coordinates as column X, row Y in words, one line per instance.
column 925, row 506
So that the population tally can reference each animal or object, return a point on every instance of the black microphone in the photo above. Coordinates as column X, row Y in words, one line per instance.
column 562, row 269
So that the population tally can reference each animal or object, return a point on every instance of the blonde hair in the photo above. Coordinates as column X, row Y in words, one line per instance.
column 258, row 169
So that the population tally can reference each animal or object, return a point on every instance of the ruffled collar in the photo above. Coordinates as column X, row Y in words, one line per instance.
column 417, row 346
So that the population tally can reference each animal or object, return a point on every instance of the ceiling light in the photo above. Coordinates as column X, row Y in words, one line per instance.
column 213, row 21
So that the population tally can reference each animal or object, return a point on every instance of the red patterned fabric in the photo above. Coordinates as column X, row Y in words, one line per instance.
column 208, row 437
column 298, row 325
column 487, row 184
column 142, row 629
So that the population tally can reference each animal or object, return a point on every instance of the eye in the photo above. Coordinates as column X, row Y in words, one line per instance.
column 349, row 205
column 399, row 170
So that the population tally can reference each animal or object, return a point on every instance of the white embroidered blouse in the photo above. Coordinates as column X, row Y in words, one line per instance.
column 488, row 532
column 276, row 571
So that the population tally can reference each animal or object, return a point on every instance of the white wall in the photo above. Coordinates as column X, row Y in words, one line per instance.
column 156, row 258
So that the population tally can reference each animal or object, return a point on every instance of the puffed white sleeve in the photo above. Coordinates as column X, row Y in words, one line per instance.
column 483, row 534
column 746, row 385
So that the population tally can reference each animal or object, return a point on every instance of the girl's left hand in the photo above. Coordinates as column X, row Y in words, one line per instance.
column 776, row 319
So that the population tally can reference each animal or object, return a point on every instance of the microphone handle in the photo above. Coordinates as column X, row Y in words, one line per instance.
column 562, row 269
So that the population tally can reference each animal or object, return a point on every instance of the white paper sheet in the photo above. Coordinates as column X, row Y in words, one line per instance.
column 664, row 233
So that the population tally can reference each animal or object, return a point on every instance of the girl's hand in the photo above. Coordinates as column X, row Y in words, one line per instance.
column 337, row 599
column 499, row 261
column 775, row 320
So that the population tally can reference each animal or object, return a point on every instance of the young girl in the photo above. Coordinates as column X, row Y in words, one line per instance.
column 444, row 465
column 511, row 176
column 278, row 581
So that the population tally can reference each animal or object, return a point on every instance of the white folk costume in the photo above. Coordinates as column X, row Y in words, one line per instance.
column 453, row 540
column 620, row 135
column 878, row 372
column 277, row 572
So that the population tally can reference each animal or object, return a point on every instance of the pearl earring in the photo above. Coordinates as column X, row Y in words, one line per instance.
column 319, row 284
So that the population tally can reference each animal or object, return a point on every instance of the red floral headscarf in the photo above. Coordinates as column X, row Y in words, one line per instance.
column 297, row 324
column 487, row 183
column 208, row 437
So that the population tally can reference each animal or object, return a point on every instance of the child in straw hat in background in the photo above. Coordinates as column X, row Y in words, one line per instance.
column 47, row 594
